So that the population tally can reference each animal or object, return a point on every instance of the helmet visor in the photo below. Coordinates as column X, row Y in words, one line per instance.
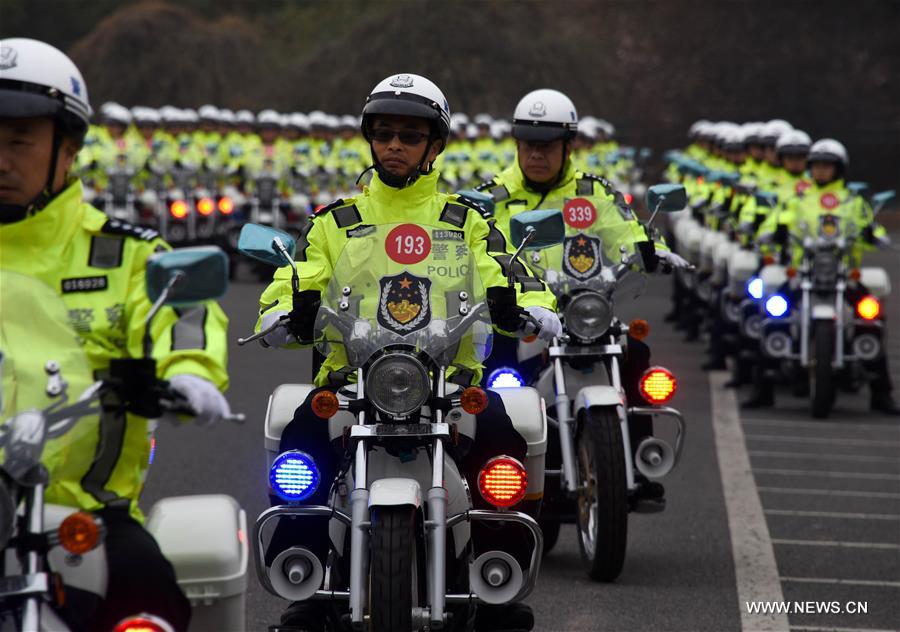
column 19, row 104
column 538, row 133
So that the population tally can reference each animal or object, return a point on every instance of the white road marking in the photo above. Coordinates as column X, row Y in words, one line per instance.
column 885, row 546
column 826, row 440
column 821, row 425
column 847, row 582
column 827, row 474
column 819, row 628
column 832, row 514
column 830, row 457
column 827, row 492
column 755, row 570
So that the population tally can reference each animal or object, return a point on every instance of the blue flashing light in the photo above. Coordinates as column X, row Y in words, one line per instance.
column 294, row 476
column 755, row 288
column 777, row 306
column 505, row 377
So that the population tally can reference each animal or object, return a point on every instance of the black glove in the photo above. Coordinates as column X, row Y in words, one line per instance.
column 647, row 250
column 868, row 233
column 303, row 316
column 505, row 313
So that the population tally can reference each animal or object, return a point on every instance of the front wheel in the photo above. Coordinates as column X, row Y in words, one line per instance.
column 393, row 581
column 602, row 503
column 823, row 375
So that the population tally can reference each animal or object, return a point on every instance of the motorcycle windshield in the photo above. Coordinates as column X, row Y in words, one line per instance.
column 34, row 330
column 405, row 284
column 588, row 259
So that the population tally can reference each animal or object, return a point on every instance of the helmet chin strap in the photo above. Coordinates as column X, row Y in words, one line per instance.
column 400, row 182
column 12, row 213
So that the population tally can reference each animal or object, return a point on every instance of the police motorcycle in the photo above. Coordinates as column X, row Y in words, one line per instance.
column 400, row 510
column 178, row 215
column 591, row 476
column 837, row 324
column 49, row 548
column 118, row 198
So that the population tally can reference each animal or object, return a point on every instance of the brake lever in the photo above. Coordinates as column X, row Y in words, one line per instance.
column 265, row 332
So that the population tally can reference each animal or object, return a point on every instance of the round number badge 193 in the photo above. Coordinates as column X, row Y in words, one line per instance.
column 407, row 244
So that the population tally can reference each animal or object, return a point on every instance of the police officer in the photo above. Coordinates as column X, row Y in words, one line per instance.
column 543, row 176
column 828, row 194
column 97, row 267
column 406, row 121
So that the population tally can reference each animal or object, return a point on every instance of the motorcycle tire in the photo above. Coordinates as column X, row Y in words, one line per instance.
column 550, row 529
column 393, row 583
column 823, row 376
column 602, row 502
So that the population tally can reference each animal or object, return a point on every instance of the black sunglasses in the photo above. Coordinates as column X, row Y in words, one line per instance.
column 406, row 136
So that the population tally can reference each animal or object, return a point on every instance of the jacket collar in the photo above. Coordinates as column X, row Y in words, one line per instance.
column 517, row 177
column 415, row 195
column 51, row 229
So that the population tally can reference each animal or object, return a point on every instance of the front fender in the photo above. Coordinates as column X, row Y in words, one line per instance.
column 598, row 395
column 393, row 492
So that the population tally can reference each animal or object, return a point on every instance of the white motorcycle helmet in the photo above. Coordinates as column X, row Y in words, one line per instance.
column 37, row 80
column 408, row 95
column 299, row 120
column 483, row 120
column 189, row 116
column 795, row 142
column 118, row 114
column 226, row 117
column 244, row 117
column 773, row 130
column 545, row 115
column 829, row 150
column 268, row 118
column 752, row 132
column 209, row 113
column 696, row 126
column 144, row 116
column 318, row 119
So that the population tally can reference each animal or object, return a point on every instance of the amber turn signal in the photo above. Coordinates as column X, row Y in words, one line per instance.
column 325, row 404
column 79, row 533
column 473, row 400
column 639, row 329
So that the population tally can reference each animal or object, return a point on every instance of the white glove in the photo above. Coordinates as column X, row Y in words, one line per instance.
column 672, row 259
column 883, row 241
column 549, row 321
column 277, row 337
column 208, row 403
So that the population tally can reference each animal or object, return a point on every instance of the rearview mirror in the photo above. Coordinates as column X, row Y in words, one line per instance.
column 666, row 198
column 727, row 178
column 858, row 188
column 485, row 200
column 883, row 198
column 199, row 273
column 766, row 199
column 258, row 242
column 548, row 225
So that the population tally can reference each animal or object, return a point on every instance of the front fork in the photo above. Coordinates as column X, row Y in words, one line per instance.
column 837, row 361
column 436, row 526
column 563, row 404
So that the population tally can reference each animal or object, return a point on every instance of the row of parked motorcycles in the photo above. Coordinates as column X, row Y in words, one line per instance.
column 400, row 514
column 812, row 325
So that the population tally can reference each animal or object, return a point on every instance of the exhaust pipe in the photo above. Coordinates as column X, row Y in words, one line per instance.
column 296, row 574
column 655, row 458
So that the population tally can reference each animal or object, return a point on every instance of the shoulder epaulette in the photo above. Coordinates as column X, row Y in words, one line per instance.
column 344, row 212
column 118, row 227
column 585, row 186
column 475, row 206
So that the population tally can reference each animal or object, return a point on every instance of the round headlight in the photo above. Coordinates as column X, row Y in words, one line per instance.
column 588, row 316
column 397, row 384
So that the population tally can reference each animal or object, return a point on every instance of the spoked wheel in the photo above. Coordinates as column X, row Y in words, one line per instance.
column 823, row 376
column 393, row 572
column 602, row 502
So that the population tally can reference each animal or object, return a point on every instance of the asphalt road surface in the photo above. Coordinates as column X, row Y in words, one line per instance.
column 770, row 506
